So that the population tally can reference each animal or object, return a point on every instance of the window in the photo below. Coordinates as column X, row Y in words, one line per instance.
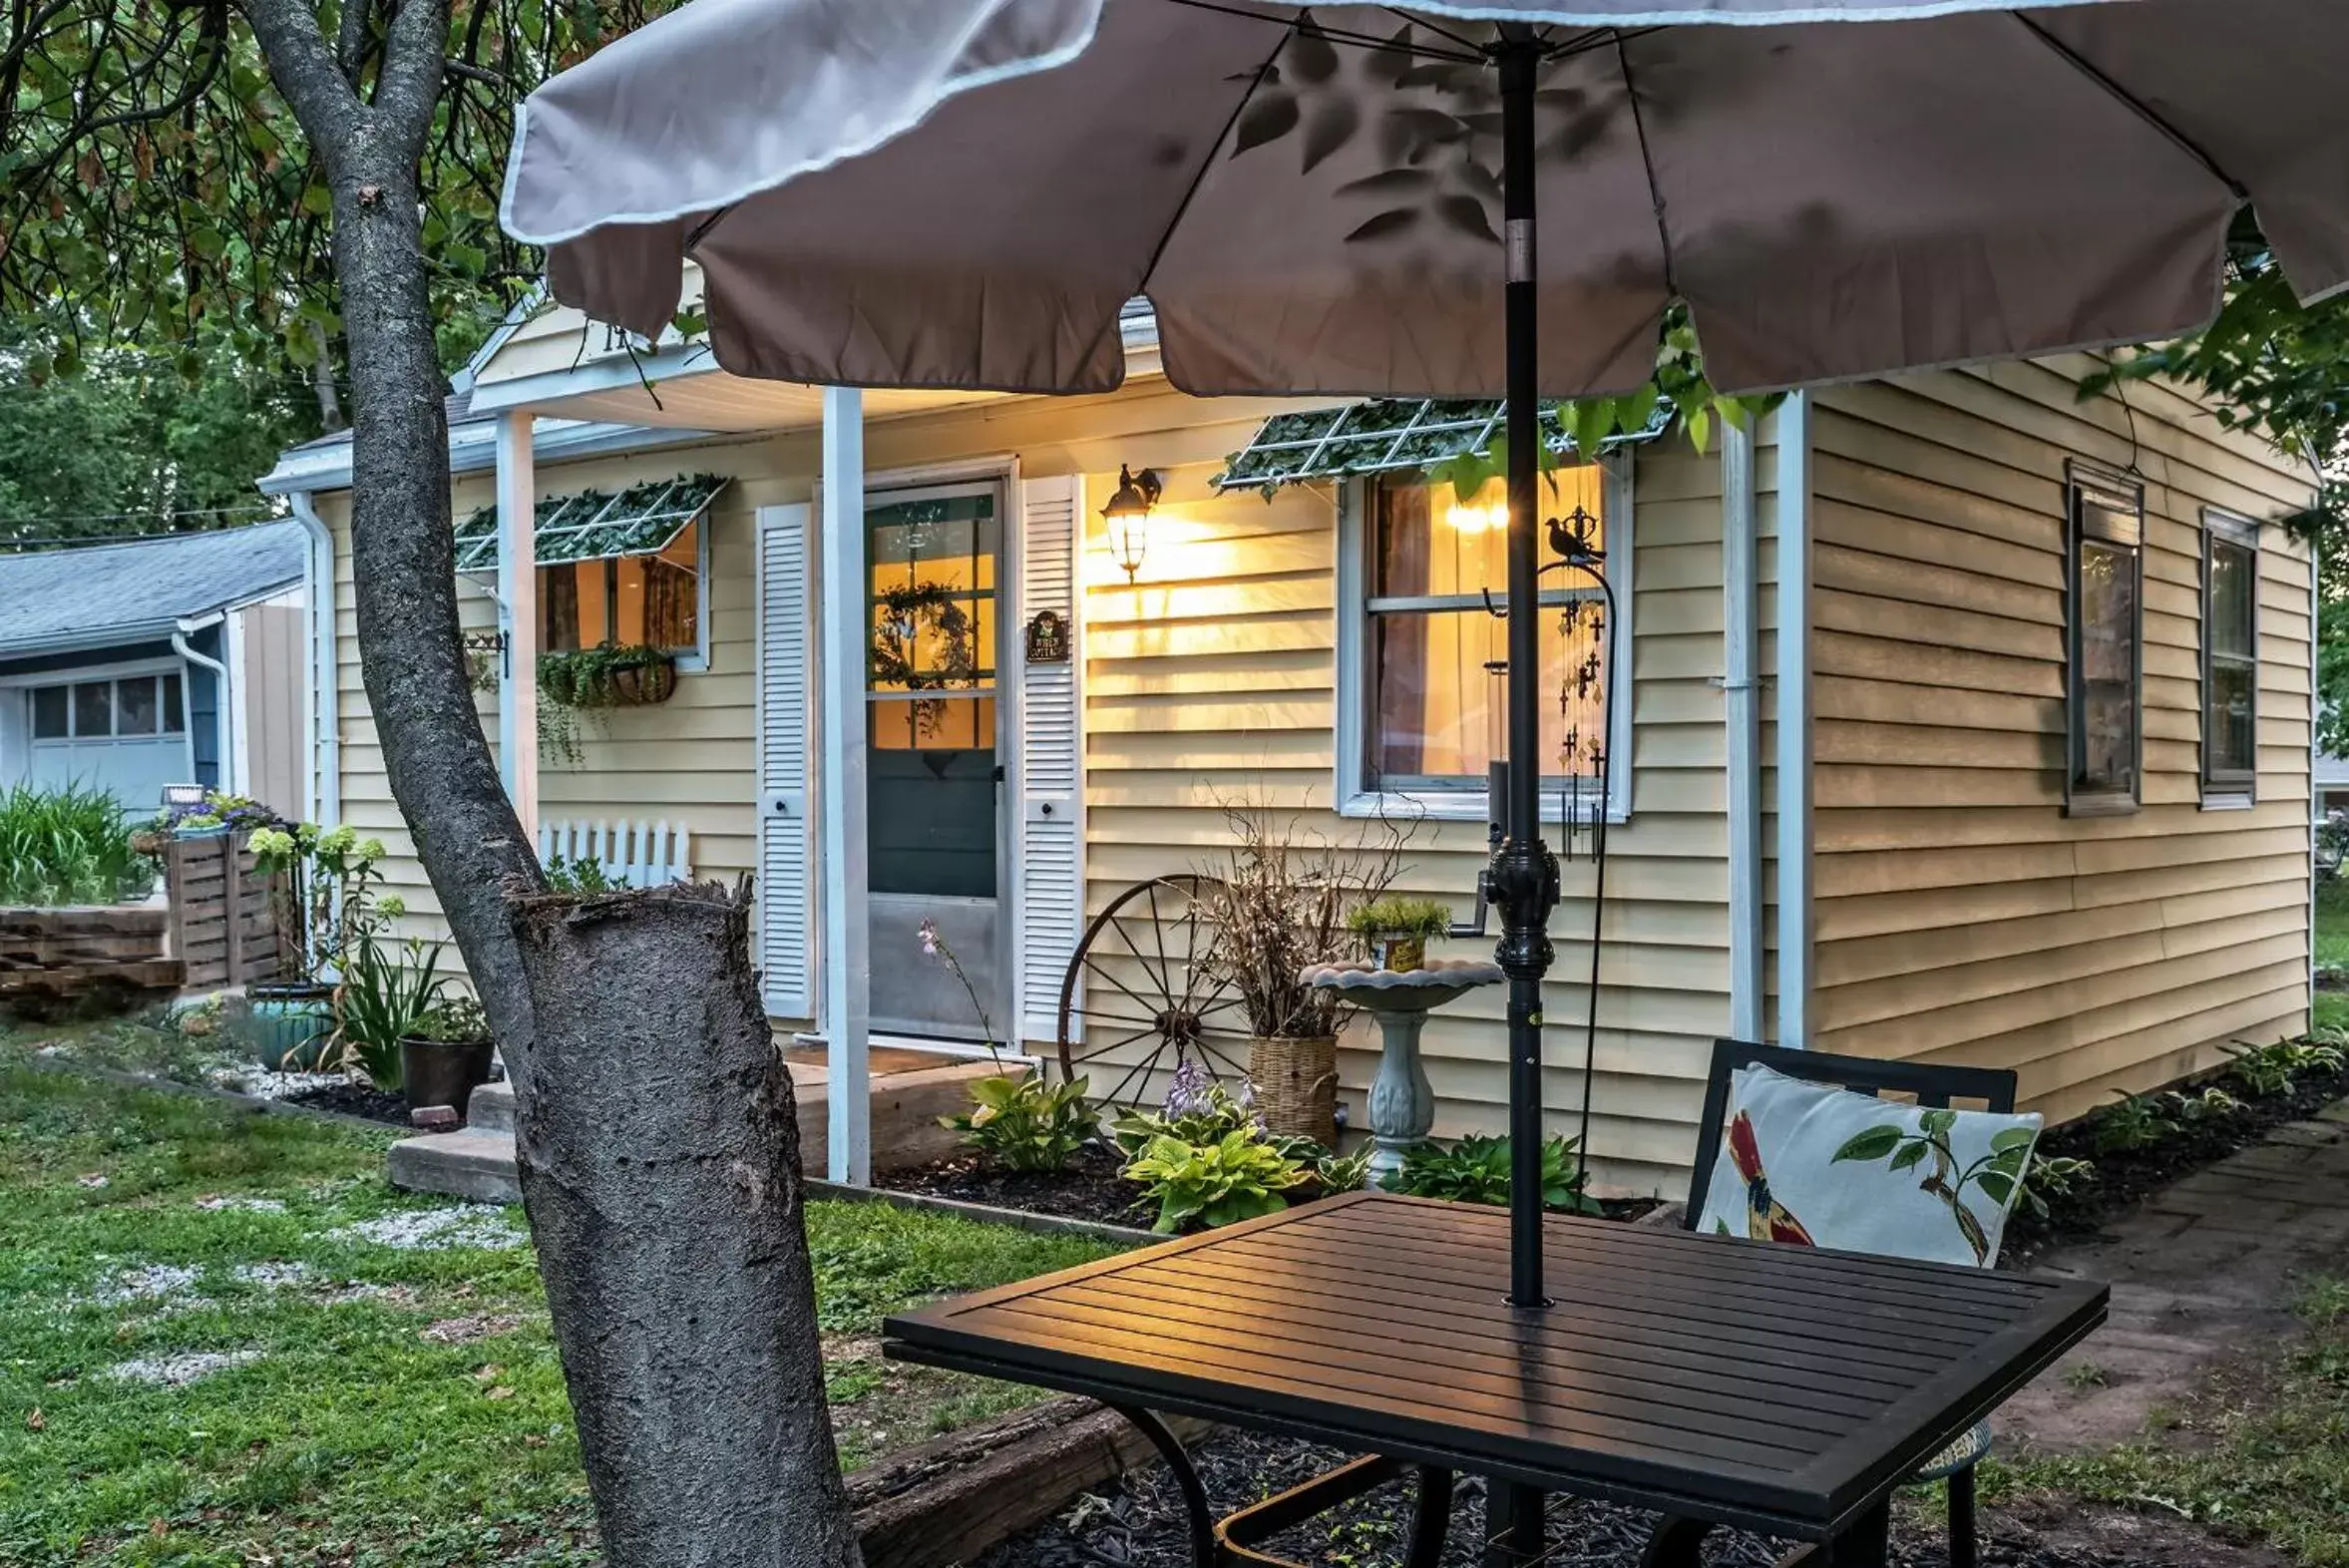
column 2230, row 656
column 2105, row 635
column 653, row 598
column 1426, row 671
column 127, row 708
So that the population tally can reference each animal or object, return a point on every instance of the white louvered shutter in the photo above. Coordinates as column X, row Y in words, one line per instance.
column 1051, row 752
column 786, row 891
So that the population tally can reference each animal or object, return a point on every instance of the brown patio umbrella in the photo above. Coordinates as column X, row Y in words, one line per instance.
column 1353, row 200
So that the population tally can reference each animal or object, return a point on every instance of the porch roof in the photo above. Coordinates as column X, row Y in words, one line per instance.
column 1384, row 435
column 596, row 524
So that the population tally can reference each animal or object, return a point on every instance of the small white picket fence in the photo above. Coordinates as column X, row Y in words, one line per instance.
column 638, row 854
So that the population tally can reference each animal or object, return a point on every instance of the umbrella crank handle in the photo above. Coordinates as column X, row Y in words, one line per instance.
column 1496, row 792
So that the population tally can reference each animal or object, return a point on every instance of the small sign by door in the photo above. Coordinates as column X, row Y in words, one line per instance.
column 1048, row 637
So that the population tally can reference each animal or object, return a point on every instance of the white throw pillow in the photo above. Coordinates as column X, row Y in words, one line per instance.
column 1819, row 1166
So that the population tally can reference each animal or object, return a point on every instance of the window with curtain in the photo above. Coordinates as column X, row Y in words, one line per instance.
column 644, row 599
column 1432, row 678
column 2230, row 656
column 2106, row 638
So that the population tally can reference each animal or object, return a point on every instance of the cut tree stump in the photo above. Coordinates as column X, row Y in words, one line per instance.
column 947, row 1500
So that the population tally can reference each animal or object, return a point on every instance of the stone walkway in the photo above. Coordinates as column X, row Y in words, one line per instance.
column 2200, row 1272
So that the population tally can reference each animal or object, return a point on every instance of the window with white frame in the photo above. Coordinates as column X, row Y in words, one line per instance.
column 131, row 707
column 2105, row 644
column 2230, row 656
column 1424, row 677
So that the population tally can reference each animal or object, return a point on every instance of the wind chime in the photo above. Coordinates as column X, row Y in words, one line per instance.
column 1586, row 710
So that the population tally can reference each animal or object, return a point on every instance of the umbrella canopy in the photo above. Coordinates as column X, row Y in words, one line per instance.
column 963, row 192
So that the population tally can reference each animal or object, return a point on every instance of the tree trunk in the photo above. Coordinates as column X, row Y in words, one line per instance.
column 659, row 1158
column 664, row 1166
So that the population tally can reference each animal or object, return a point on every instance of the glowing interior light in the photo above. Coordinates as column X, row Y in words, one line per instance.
column 1471, row 518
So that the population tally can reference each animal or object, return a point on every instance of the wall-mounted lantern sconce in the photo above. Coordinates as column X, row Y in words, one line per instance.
column 1128, row 515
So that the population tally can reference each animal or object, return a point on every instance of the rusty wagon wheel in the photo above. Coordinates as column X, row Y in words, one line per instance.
column 1138, row 999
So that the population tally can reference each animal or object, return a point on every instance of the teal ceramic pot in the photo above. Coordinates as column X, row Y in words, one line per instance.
column 290, row 1025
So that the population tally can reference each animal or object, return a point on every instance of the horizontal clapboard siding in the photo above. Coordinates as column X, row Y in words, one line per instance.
column 1961, row 916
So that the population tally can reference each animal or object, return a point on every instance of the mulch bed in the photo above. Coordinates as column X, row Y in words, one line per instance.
column 1089, row 1190
column 1139, row 1523
column 2125, row 1176
column 353, row 1099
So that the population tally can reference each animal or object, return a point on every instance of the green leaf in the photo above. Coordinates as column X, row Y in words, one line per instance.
column 1594, row 422
column 1872, row 1143
column 1997, row 1185
column 2013, row 1139
column 1910, row 1154
column 1699, row 427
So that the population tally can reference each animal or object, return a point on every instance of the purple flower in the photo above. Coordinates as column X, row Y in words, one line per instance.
column 928, row 935
column 1188, row 1095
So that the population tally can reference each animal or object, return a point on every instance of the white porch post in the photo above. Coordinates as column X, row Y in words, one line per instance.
column 1742, row 713
column 518, row 619
column 1794, row 717
column 847, row 974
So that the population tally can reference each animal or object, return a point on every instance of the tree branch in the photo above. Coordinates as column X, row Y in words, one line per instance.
column 307, row 73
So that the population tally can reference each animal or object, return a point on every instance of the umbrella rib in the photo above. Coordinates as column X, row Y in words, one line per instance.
column 2144, row 110
column 1420, row 21
column 1341, row 35
column 1639, row 127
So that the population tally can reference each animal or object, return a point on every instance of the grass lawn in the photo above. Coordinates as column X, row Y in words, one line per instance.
column 2332, row 924
column 2261, row 1453
column 224, row 1339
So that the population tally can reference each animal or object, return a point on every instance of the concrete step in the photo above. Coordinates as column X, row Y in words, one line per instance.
column 470, row 1164
column 491, row 1109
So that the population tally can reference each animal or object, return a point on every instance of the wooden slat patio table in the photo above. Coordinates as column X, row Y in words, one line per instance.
column 1780, row 1388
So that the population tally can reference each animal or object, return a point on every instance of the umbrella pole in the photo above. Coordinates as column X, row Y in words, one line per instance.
column 1524, row 877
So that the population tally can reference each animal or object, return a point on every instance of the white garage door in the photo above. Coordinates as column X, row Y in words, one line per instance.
column 126, row 735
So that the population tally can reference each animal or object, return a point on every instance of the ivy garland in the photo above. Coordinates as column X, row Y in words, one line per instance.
column 906, row 611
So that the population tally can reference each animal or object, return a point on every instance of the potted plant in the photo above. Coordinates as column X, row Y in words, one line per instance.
column 1278, row 911
column 445, row 1054
column 1394, row 931
column 323, row 899
column 387, row 991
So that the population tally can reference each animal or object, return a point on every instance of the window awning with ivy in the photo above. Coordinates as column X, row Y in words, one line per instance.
column 597, row 525
column 1385, row 436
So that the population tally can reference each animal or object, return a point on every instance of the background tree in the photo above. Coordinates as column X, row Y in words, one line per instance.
column 136, row 444
column 282, row 172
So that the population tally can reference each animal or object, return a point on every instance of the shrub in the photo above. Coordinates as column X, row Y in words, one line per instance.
column 1237, row 1177
column 1476, row 1170
column 1025, row 1124
column 69, row 845
column 583, row 875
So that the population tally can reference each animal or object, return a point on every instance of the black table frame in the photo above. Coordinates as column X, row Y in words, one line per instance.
column 1849, row 1531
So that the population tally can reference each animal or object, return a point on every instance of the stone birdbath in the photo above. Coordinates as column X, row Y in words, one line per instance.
column 1402, row 1105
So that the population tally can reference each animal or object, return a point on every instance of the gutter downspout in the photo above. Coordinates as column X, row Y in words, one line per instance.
column 1793, row 718
column 1742, row 717
column 223, row 696
column 324, row 775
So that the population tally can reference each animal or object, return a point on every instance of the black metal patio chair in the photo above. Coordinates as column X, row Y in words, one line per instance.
column 1986, row 1088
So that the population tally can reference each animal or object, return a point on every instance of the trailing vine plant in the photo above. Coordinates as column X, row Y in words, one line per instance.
column 906, row 612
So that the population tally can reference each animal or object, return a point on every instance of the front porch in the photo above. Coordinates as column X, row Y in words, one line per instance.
column 909, row 1088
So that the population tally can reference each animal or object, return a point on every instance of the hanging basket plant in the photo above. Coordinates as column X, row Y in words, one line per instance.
column 609, row 675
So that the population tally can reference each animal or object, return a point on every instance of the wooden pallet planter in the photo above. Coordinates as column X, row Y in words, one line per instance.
column 223, row 924
column 98, row 955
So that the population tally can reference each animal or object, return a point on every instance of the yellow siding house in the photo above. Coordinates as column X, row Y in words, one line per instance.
column 1952, row 718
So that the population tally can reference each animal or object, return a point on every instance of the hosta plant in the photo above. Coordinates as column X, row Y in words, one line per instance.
column 1025, row 1124
column 1237, row 1177
column 1476, row 1170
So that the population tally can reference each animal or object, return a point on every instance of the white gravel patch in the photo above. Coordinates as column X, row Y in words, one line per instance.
column 273, row 1276
column 153, row 1282
column 263, row 1084
column 176, row 1372
column 463, row 1225
column 242, row 1205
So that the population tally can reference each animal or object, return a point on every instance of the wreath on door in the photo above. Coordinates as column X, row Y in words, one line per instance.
column 906, row 612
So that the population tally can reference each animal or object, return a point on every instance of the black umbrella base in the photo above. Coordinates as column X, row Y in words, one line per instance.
column 1142, row 1524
